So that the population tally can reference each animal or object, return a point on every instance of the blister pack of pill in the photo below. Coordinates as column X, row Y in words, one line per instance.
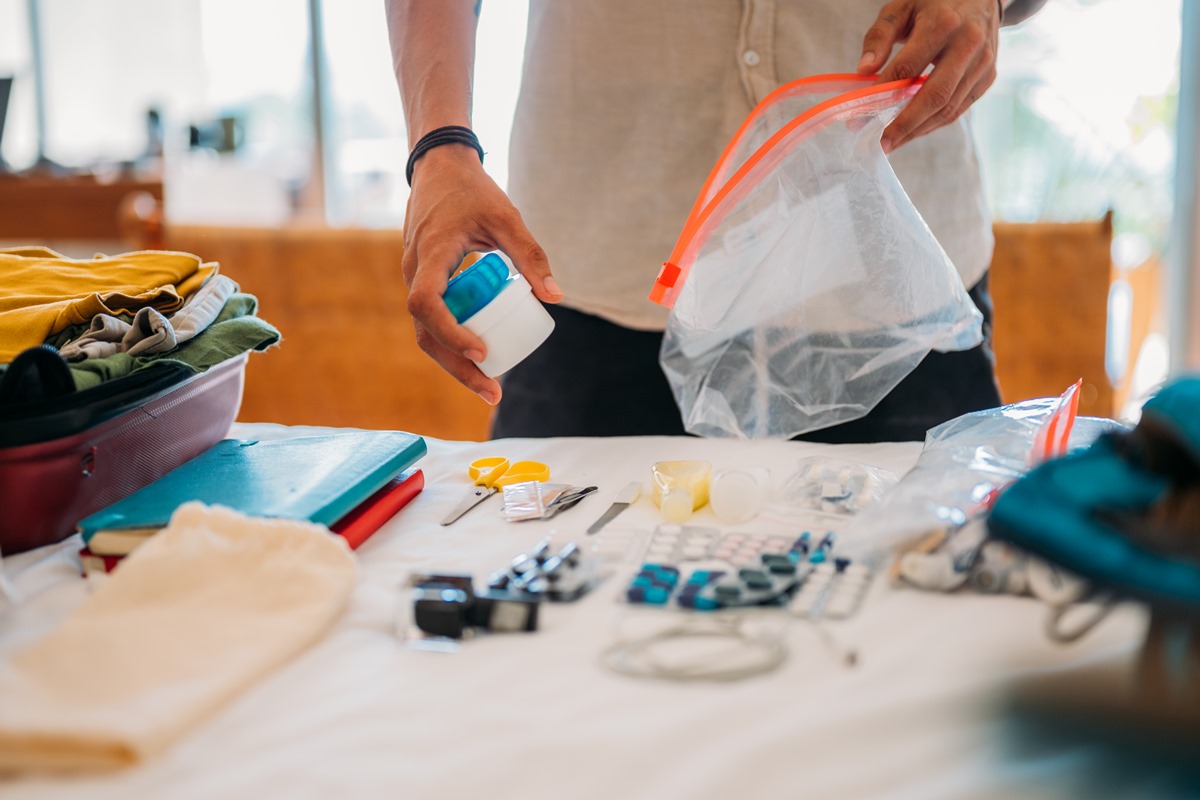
column 746, row 549
column 833, row 590
column 676, row 544
column 806, row 577
column 714, row 589
column 770, row 584
column 543, row 573
column 653, row 585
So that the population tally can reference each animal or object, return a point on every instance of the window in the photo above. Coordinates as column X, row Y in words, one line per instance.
column 235, row 78
column 368, row 146
column 1082, row 120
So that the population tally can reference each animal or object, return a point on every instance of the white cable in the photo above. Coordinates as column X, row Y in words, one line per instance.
column 1102, row 605
column 846, row 654
column 640, row 657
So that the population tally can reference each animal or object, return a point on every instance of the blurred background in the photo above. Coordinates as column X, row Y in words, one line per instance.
column 268, row 135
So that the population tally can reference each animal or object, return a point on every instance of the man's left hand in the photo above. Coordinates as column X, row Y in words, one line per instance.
column 958, row 37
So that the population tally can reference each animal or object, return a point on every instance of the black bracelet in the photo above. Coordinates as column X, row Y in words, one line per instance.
column 450, row 134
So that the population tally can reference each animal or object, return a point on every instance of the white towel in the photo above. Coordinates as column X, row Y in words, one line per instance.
column 209, row 605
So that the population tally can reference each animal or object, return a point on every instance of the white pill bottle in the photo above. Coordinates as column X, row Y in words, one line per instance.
column 495, row 302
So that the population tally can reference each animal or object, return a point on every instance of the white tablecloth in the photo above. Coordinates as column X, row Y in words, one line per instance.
column 921, row 716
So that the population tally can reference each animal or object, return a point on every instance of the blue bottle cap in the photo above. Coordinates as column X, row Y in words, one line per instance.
column 476, row 286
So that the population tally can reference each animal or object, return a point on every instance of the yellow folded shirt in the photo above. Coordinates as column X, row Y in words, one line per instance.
column 42, row 292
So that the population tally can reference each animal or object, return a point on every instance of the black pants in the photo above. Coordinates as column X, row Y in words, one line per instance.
column 595, row 378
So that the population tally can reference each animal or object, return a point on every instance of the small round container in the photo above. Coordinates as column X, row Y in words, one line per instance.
column 737, row 495
column 680, row 487
column 677, row 504
column 495, row 302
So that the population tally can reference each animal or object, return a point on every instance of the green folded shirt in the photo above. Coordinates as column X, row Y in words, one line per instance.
column 235, row 331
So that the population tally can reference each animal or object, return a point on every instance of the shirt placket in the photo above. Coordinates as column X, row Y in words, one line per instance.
column 756, row 49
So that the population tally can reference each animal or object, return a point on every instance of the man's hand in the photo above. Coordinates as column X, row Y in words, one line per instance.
column 455, row 208
column 959, row 37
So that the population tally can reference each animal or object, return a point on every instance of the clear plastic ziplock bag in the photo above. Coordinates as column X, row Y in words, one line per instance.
column 965, row 464
column 805, row 284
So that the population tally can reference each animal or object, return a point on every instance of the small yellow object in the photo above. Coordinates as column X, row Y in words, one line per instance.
column 677, row 505
column 498, row 471
column 680, row 487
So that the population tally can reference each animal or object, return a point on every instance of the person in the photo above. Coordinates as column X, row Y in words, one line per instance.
column 624, row 107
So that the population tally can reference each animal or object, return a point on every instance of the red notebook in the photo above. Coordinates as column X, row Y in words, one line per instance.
column 355, row 527
column 370, row 515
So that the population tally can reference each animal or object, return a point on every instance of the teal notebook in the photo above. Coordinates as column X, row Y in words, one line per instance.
column 315, row 478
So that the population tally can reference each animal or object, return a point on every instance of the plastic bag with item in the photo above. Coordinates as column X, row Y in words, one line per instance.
column 1124, row 513
column 833, row 486
column 805, row 284
column 965, row 464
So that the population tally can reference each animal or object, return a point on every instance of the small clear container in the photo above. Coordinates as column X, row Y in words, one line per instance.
column 737, row 495
column 680, row 487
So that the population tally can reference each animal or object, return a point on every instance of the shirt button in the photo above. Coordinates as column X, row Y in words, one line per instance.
column 751, row 58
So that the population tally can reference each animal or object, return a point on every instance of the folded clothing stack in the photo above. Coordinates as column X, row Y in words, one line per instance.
column 157, row 343
column 113, row 317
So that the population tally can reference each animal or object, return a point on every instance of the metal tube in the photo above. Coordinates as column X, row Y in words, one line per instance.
column 1182, row 286
column 39, row 76
column 318, row 190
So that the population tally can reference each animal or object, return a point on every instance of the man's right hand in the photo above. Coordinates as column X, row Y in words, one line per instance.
column 455, row 208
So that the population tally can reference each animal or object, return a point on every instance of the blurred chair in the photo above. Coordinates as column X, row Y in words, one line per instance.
column 1050, row 286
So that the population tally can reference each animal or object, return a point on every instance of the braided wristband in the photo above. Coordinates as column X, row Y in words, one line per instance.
column 450, row 134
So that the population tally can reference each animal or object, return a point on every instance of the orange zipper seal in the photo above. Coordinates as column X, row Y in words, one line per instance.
column 671, row 273
column 1055, row 433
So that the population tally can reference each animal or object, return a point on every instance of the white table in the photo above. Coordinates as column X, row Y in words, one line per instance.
column 537, row 715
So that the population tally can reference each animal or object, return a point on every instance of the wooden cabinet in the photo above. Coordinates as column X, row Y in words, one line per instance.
column 46, row 209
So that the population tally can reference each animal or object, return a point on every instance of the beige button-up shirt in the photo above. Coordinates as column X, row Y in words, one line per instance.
column 626, row 105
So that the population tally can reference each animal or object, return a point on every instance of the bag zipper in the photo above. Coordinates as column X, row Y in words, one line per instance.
column 670, row 277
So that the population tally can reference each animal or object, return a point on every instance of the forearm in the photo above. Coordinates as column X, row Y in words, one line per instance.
column 1020, row 10
column 433, row 55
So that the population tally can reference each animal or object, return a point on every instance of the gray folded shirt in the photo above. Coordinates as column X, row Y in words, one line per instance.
column 150, row 332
